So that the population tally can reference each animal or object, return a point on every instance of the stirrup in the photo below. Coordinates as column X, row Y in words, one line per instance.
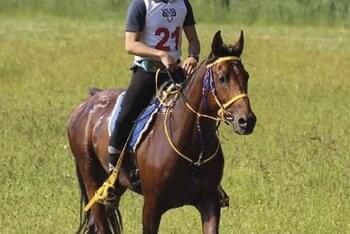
column 104, row 195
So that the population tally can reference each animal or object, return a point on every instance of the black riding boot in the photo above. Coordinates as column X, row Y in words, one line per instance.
column 128, row 164
column 113, row 154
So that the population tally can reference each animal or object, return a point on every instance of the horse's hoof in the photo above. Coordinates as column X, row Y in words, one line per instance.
column 224, row 202
column 136, row 186
column 224, row 199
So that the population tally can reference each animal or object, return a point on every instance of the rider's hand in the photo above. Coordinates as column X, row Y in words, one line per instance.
column 189, row 65
column 168, row 61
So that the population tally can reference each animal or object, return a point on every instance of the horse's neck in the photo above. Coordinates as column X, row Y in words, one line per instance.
column 185, row 121
column 194, row 96
column 193, row 91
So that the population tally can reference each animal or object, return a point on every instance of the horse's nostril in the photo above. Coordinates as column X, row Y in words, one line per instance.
column 242, row 122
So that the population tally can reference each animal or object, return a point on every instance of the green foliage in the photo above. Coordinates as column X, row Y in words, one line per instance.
column 291, row 12
column 290, row 176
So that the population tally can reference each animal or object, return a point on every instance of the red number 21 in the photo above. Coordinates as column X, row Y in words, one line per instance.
column 166, row 35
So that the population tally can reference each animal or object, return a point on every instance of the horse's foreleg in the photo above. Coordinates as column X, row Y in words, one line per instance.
column 209, row 209
column 151, row 216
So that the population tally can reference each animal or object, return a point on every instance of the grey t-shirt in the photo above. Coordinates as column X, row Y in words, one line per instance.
column 135, row 20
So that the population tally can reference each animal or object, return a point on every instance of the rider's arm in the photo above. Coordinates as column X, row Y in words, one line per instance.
column 190, row 32
column 135, row 47
column 191, row 61
column 193, row 41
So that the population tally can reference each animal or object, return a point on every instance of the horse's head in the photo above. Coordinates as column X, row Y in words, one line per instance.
column 228, row 81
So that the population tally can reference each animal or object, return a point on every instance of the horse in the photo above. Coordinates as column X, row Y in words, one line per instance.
column 180, row 159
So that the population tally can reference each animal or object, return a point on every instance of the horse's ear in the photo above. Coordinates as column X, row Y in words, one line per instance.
column 238, row 47
column 217, row 43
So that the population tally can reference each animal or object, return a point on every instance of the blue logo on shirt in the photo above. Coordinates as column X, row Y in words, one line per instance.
column 169, row 13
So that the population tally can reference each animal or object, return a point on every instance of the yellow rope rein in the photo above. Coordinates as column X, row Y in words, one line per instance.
column 171, row 143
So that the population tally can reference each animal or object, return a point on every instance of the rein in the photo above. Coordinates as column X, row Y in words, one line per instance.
column 200, row 160
column 174, row 90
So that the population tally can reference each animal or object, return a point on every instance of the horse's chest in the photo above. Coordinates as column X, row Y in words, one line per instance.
column 198, row 179
column 193, row 184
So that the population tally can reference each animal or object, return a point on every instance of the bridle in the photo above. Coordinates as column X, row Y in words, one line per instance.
column 210, row 84
column 222, row 113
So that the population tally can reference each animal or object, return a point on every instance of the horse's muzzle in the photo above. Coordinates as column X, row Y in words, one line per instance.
column 244, row 124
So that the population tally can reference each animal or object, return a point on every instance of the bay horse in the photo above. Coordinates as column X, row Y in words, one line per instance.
column 180, row 159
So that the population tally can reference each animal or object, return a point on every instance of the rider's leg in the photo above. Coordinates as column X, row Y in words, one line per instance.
column 138, row 95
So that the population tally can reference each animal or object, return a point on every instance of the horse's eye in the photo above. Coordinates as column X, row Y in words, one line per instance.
column 223, row 79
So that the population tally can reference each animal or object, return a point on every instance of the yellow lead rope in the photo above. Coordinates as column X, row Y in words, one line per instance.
column 102, row 193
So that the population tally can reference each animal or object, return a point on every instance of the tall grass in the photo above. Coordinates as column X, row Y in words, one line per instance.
column 291, row 12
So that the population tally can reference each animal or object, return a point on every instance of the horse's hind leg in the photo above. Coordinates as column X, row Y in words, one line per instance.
column 93, row 175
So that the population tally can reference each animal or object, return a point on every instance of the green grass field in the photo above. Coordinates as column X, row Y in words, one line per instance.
column 291, row 176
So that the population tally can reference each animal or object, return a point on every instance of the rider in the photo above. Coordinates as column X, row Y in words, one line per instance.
column 153, row 35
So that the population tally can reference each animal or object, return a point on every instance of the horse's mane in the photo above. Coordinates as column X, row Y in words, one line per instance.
column 225, row 50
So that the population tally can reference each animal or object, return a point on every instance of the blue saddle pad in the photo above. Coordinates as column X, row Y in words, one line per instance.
column 141, row 125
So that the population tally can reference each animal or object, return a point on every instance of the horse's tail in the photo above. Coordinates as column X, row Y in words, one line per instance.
column 115, row 221
column 94, row 90
column 83, row 198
